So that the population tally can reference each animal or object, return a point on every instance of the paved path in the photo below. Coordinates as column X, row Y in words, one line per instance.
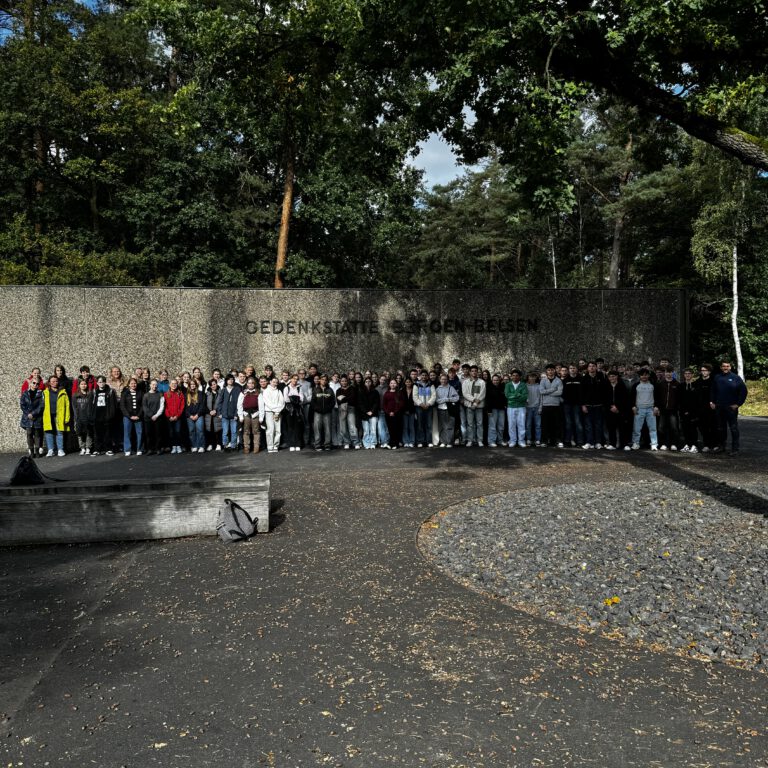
column 332, row 642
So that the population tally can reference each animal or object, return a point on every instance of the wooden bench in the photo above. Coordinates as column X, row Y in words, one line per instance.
column 126, row 510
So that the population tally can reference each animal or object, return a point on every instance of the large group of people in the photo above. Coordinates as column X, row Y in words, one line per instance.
column 585, row 404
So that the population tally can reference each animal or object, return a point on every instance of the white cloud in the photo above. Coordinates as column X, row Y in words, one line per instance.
column 438, row 161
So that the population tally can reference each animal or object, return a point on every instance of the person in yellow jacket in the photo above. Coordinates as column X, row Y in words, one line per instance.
column 56, row 416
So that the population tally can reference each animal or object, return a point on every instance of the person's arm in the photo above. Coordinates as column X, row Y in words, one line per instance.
column 160, row 409
column 240, row 401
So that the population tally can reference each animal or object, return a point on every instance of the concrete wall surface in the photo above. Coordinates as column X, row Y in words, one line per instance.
column 179, row 328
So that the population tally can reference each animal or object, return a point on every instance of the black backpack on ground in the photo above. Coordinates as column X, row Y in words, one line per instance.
column 27, row 473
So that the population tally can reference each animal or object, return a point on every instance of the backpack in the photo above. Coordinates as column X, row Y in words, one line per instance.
column 27, row 473
column 234, row 523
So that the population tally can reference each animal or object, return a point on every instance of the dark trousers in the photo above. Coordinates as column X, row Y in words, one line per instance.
column 593, row 424
column 669, row 427
column 152, row 434
column 727, row 418
column 619, row 428
column 708, row 427
column 102, row 436
column 293, row 427
column 690, row 428
column 35, row 439
column 573, row 428
column 551, row 424
column 395, row 429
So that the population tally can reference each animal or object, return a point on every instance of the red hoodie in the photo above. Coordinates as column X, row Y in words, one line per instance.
column 174, row 403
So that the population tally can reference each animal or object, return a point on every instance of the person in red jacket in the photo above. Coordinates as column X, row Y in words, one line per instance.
column 393, row 404
column 174, row 411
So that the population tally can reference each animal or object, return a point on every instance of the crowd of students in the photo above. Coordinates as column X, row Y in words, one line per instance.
column 589, row 405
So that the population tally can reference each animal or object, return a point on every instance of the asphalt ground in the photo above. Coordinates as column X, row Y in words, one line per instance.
column 331, row 641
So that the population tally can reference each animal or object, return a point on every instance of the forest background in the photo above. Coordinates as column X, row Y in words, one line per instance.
column 614, row 143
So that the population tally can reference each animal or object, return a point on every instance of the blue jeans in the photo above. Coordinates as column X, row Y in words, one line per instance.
column 409, row 428
column 645, row 415
column 127, row 424
column 593, row 423
column 369, row 432
column 423, row 425
column 49, row 441
column 533, row 424
column 174, row 432
column 196, row 431
column 495, row 426
column 573, row 427
column 228, row 432
column 516, row 426
column 383, row 431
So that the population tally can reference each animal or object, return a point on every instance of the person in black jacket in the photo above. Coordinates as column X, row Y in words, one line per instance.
column 102, row 414
column 496, row 407
column 131, row 401
column 707, row 419
column 574, row 431
column 689, row 411
column 323, row 403
column 368, row 408
column 618, row 409
column 593, row 396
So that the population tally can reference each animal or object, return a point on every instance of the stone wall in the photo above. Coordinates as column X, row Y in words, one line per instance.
column 178, row 328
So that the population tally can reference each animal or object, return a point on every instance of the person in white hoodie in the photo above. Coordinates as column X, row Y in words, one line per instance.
column 473, row 399
column 271, row 405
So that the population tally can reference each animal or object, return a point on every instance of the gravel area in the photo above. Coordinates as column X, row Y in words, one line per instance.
column 650, row 562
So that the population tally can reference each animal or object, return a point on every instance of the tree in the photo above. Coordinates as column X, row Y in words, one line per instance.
column 523, row 69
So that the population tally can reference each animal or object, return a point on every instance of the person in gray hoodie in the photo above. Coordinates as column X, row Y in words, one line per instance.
column 551, row 391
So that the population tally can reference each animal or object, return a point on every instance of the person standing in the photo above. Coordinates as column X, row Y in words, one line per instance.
column 32, row 404
column 271, row 407
column 706, row 414
column 516, row 395
column 56, row 416
column 593, row 396
column 644, row 409
column 473, row 399
column 617, row 410
column 729, row 393
column 81, row 409
column 293, row 414
column 392, row 404
column 424, row 397
column 212, row 418
column 551, row 392
column 131, row 402
column 226, row 407
column 174, row 412
column 194, row 410
column 154, row 405
column 102, row 416
column 495, row 405
column 447, row 399
column 369, row 404
column 248, row 413
column 346, row 403
column 323, row 403
column 574, row 432
column 667, row 403
column 689, row 411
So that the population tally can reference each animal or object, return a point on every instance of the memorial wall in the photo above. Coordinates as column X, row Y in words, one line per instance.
column 179, row 328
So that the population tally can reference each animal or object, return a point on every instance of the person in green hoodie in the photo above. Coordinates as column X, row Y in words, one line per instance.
column 516, row 393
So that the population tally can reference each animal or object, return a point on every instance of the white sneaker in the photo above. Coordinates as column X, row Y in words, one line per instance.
column 663, row 448
column 298, row 449
column 560, row 445
column 87, row 451
column 685, row 449
column 586, row 446
column 209, row 448
column 358, row 447
column 693, row 449
column 61, row 453
column 468, row 444
column 598, row 446
column 82, row 451
column 480, row 444
column 49, row 454
column 610, row 447
column 127, row 453
column 41, row 451
column 635, row 446
column 429, row 445
column 656, row 447
column 522, row 445
column 705, row 449
column 109, row 453
column 627, row 448
column 492, row 445
column 672, row 447
column 218, row 447
column 139, row 453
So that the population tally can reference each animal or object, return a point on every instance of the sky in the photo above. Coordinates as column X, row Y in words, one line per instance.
column 439, row 163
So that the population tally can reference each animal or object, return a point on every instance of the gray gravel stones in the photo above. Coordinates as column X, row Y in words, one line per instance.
column 655, row 562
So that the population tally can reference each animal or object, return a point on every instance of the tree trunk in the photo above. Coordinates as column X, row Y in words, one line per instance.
column 735, row 312
column 613, row 269
column 285, row 222
column 552, row 254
